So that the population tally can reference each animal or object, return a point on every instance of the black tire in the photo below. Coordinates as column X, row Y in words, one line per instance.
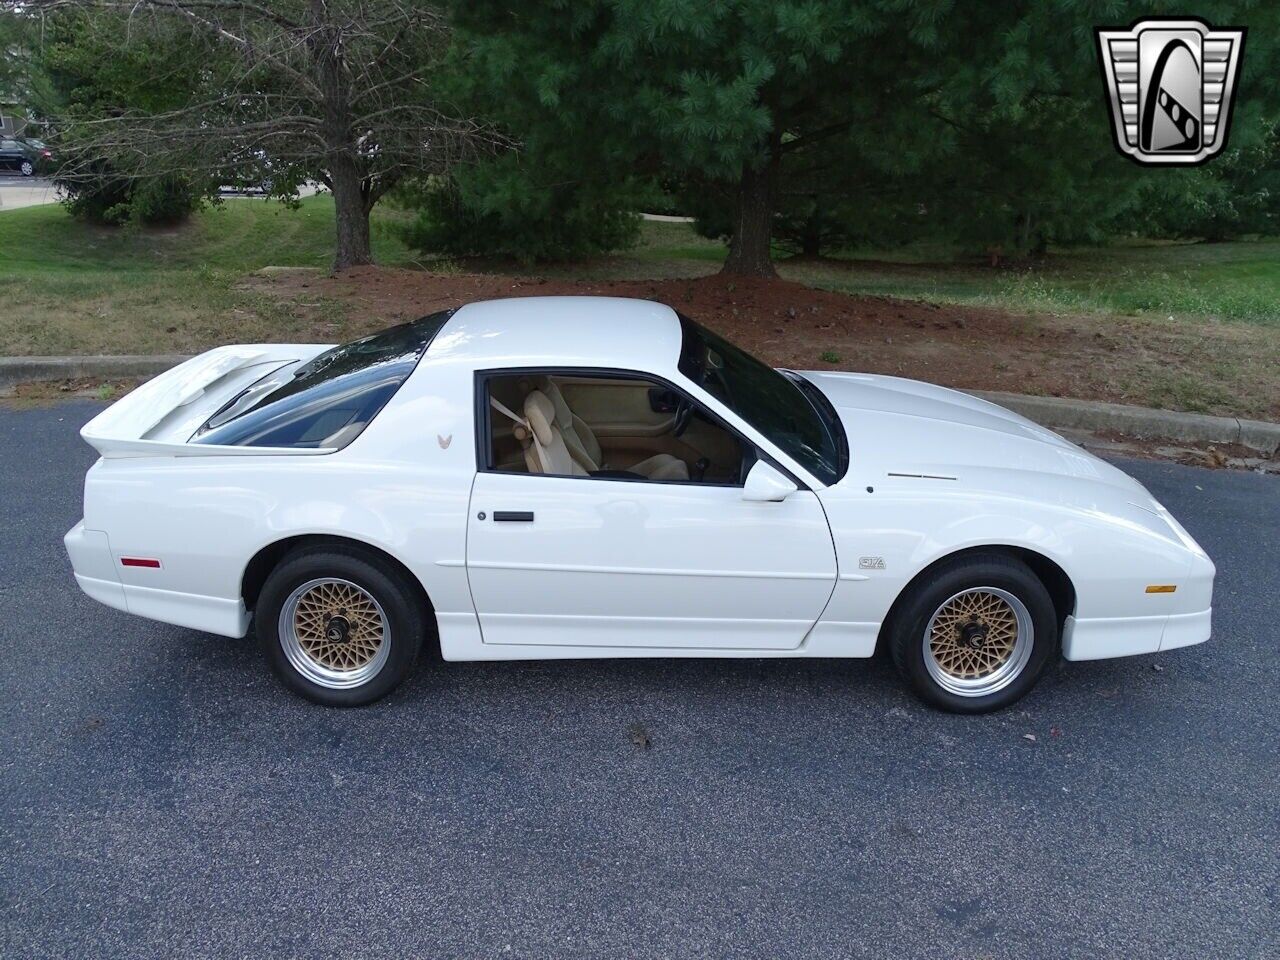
column 914, row 611
column 397, row 597
column 27, row 168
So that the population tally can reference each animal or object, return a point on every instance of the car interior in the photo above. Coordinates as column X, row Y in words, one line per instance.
column 620, row 428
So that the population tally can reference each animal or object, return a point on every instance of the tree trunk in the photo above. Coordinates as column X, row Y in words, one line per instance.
column 351, row 199
column 351, row 216
column 1024, row 244
column 753, row 221
column 811, row 241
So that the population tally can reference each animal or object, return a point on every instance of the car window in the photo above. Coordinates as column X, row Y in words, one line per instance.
column 774, row 404
column 327, row 401
column 604, row 425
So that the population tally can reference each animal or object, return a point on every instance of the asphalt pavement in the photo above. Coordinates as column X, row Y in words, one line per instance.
column 17, row 191
column 162, row 796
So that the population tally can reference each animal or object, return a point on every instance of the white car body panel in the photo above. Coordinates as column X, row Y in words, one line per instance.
column 622, row 564
column 612, row 568
column 929, row 452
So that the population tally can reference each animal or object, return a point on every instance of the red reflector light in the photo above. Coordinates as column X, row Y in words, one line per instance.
column 139, row 562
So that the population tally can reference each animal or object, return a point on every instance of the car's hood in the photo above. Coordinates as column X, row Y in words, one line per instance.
column 904, row 430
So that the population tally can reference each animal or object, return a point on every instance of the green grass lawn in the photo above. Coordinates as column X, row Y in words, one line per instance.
column 239, row 234
column 1190, row 281
column 67, row 287
column 1187, row 281
column 71, row 288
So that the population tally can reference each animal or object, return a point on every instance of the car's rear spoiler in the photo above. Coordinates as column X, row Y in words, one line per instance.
column 157, row 418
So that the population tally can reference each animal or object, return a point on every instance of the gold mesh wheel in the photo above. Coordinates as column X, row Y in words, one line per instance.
column 334, row 633
column 978, row 641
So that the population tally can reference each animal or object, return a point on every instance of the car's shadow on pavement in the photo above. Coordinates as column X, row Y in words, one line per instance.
column 626, row 691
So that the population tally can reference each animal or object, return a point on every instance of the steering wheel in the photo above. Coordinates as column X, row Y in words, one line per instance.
column 684, row 413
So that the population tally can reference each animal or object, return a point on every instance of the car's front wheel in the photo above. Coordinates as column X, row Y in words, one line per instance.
column 340, row 628
column 976, row 634
column 27, row 168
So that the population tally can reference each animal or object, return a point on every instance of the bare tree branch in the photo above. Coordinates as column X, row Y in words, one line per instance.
column 336, row 91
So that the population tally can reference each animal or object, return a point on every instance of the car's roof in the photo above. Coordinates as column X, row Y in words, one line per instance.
column 564, row 331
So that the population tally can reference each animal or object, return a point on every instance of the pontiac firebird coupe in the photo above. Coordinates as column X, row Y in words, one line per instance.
column 570, row 477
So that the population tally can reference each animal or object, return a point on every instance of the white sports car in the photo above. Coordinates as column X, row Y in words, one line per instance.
column 588, row 477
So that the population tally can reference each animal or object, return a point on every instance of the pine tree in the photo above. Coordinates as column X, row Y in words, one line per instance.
column 844, row 119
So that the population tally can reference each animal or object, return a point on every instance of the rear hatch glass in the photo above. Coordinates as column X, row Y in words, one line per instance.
column 330, row 399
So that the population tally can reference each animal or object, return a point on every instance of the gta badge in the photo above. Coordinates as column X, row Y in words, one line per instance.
column 1170, row 85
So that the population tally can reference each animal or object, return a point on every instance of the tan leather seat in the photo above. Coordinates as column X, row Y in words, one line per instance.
column 546, row 452
column 584, row 448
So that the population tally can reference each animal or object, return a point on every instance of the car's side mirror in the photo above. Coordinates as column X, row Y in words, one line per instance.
column 766, row 483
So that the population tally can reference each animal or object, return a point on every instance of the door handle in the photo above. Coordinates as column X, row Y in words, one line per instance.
column 513, row 516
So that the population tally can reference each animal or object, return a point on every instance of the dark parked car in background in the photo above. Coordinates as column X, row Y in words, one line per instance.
column 26, row 157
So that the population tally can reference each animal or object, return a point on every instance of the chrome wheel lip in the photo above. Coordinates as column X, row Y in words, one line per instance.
column 1006, row 673
column 306, row 665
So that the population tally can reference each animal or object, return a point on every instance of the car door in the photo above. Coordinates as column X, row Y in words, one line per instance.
column 607, row 561
column 10, row 154
column 590, row 562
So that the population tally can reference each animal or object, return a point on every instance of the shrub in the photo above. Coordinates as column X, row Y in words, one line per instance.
column 115, row 199
column 496, row 212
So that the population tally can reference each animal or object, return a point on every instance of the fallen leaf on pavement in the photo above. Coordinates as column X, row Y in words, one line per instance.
column 640, row 737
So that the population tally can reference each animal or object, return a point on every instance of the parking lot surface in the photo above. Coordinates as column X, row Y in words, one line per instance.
column 161, row 795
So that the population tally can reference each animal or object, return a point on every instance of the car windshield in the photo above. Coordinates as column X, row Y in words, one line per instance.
column 327, row 400
column 801, row 422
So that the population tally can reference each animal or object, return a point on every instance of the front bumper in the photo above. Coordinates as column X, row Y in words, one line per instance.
column 1168, row 620
column 1098, row 639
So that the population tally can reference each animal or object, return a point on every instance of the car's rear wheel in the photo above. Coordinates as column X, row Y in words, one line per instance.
column 340, row 628
column 27, row 168
column 976, row 634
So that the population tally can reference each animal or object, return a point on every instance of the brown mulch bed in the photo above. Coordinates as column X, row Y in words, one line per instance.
column 43, row 393
column 1215, row 368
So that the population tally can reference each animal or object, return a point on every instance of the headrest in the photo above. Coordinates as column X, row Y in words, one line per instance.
column 541, row 414
column 564, row 416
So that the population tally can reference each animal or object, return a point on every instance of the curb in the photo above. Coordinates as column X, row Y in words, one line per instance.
column 15, row 370
column 1141, row 422
column 1054, row 412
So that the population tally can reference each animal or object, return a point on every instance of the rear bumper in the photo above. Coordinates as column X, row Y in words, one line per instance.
column 1098, row 639
column 96, row 573
column 91, row 559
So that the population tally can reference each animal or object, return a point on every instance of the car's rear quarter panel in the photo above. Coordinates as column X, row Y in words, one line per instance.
column 402, row 487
